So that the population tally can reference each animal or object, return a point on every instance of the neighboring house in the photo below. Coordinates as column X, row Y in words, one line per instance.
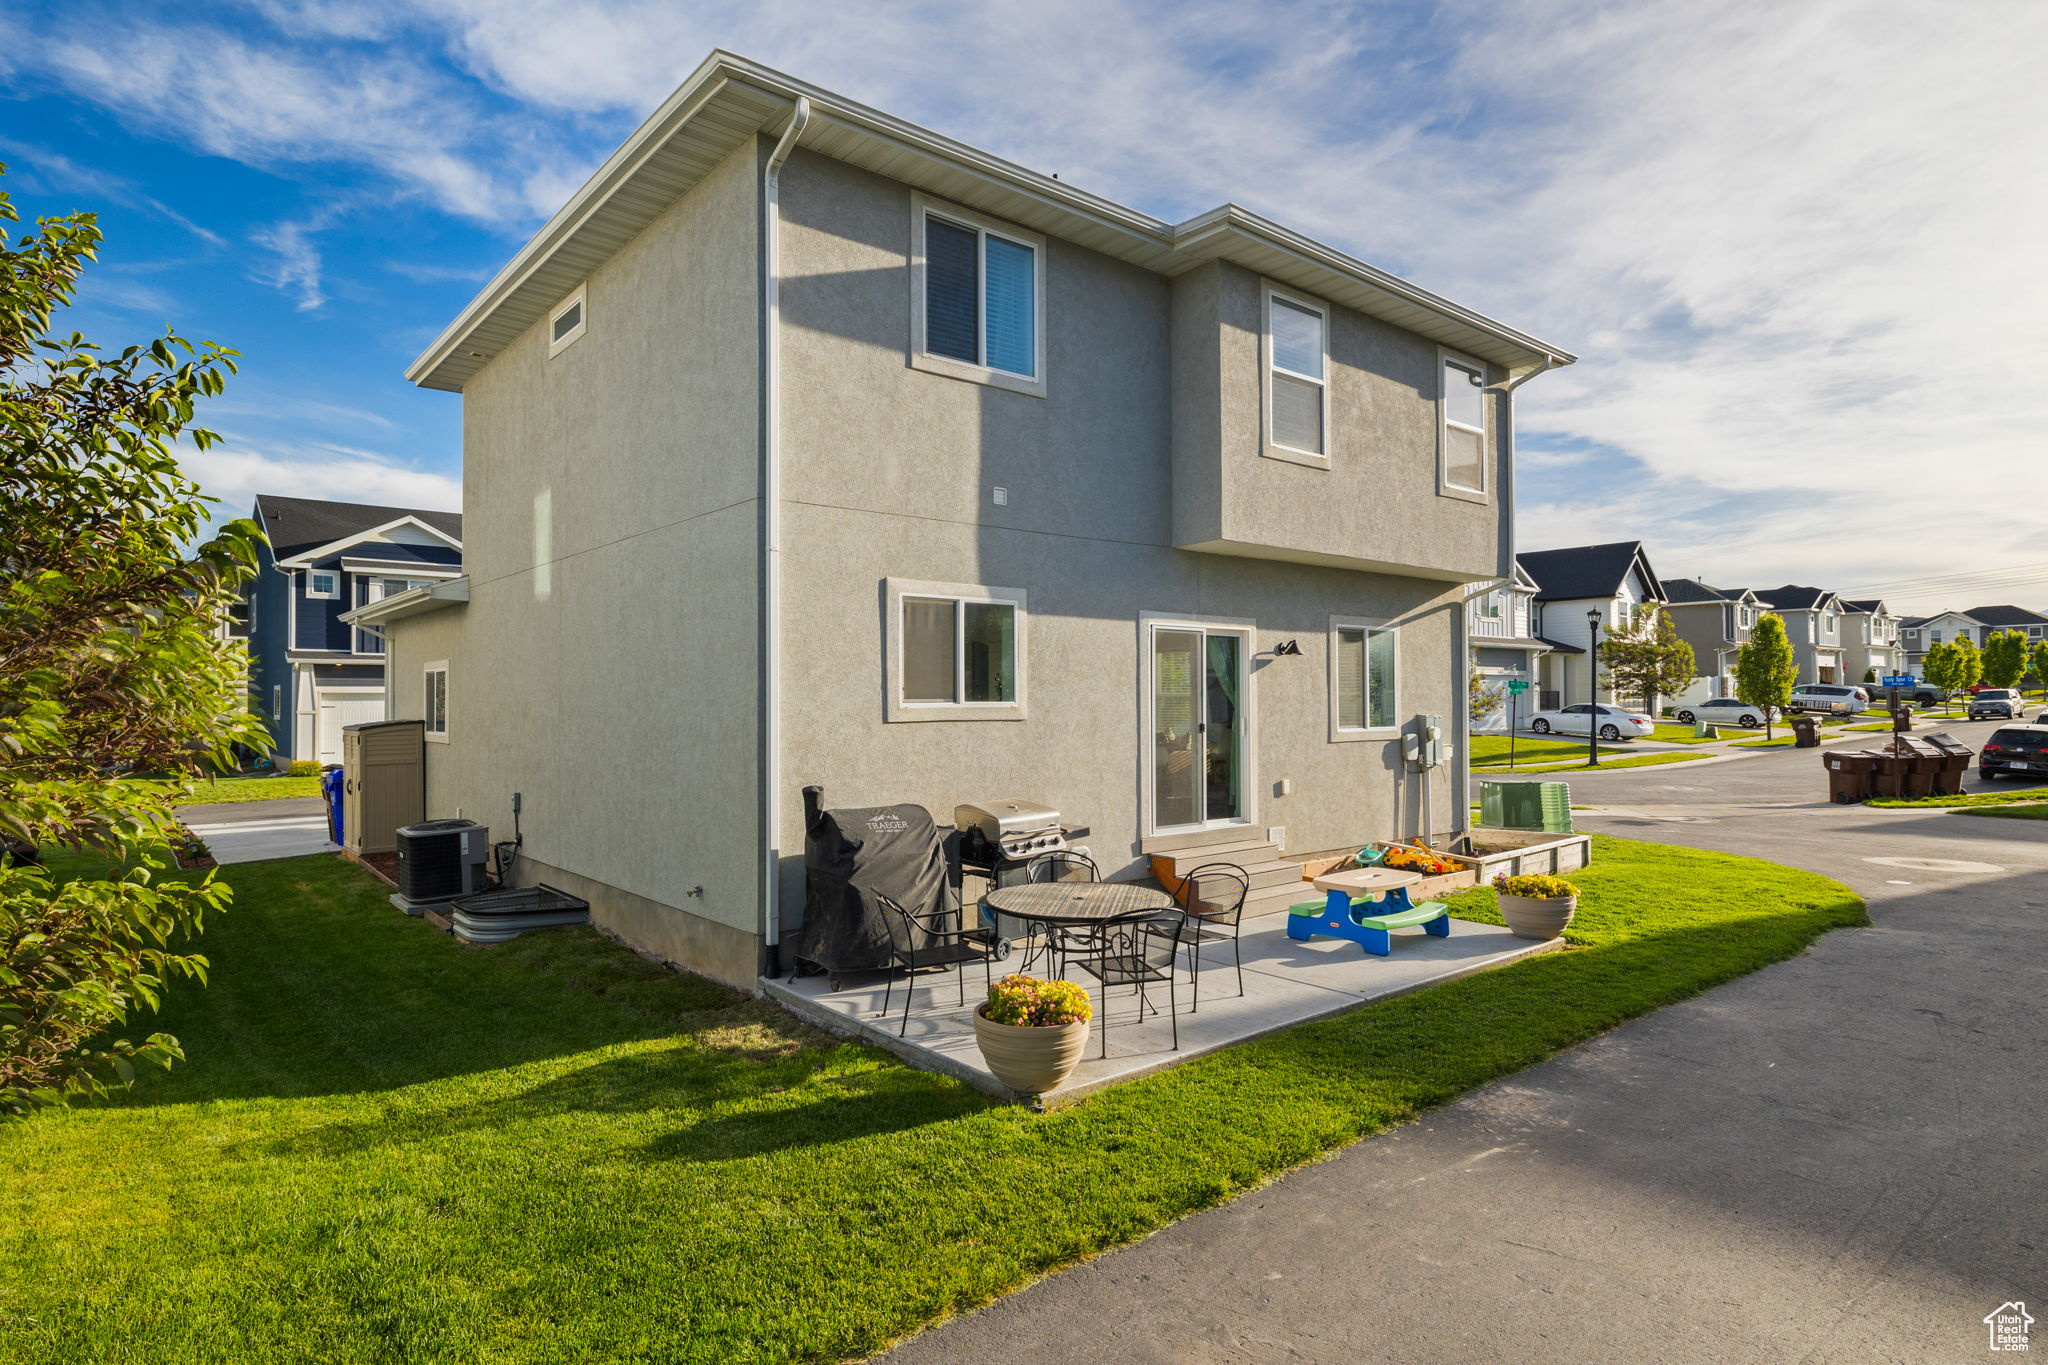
column 1918, row 634
column 809, row 446
column 1609, row 581
column 1870, row 640
column 1504, row 643
column 1717, row 623
column 1813, row 623
column 310, row 672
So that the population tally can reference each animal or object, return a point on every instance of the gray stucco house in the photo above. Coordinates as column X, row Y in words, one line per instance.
column 805, row 445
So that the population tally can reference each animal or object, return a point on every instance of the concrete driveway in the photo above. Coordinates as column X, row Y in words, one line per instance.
column 1839, row 1158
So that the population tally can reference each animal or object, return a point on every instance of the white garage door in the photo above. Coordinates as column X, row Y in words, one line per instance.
column 344, row 708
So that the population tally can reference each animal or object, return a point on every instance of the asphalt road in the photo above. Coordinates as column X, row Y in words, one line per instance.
column 1839, row 1158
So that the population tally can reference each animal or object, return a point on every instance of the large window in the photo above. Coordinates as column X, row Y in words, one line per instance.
column 1464, row 425
column 434, row 700
column 956, row 652
column 981, row 298
column 1297, row 383
column 1362, row 679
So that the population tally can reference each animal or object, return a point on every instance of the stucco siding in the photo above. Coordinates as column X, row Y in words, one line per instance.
column 606, row 665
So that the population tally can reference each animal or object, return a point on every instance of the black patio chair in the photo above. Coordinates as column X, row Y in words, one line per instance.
column 1213, row 896
column 1137, row 950
column 922, row 942
column 1057, row 943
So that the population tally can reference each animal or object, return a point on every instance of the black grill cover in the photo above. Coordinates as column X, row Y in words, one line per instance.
column 851, row 856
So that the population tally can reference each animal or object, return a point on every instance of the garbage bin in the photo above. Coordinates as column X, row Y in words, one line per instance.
column 1888, row 777
column 330, row 791
column 1850, row 772
column 1955, row 762
column 1923, row 766
column 1805, row 732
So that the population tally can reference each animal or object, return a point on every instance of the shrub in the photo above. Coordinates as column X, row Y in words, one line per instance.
column 1027, row 1002
column 1534, row 886
column 303, row 767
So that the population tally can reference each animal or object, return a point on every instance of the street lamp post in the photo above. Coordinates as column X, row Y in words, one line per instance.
column 1593, row 688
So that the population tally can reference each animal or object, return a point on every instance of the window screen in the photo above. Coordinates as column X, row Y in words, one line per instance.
column 1297, row 376
column 1464, row 434
column 1365, row 679
column 928, row 649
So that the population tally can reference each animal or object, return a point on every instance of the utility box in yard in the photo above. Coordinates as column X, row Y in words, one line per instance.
column 384, row 782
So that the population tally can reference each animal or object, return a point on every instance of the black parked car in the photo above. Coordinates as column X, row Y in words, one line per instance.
column 2019, row 749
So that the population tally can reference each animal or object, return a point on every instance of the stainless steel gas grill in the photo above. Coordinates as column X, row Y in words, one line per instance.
column 998, row 840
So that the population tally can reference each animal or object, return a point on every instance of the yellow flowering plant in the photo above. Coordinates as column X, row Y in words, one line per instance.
column 1026, row 1002
column 1534, row 886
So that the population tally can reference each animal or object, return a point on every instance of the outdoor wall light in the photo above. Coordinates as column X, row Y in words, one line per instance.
column 1287, row 647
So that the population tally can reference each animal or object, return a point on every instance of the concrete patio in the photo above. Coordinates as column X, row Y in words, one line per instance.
column 1285, row 983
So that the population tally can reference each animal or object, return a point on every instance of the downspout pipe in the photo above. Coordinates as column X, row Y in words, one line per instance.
column 771, row 537
column 1461, row 633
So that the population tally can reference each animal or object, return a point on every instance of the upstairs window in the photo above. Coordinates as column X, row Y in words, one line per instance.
column 567, row 322
column 1463, row 438
column 1492, row 607
column 1297, row 364
column 323, row 583
column 982, row 303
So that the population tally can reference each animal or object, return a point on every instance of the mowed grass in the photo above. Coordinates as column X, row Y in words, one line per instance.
column 2003, row 797
column 2034, row 812
column 251, row 789
column 1491, row 751
column 1608, row 759
column 390, row 1147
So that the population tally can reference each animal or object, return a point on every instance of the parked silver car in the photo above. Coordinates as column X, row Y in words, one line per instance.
column 1995, row 703
column 1721, row 711
column 1829, row 699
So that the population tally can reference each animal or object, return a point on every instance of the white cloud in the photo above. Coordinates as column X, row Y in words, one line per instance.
column 235, row 472
column 295, row 267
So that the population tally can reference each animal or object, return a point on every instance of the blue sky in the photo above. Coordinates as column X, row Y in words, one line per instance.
column 1792, row 243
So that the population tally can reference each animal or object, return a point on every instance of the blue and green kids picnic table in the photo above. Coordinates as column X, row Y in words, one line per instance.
column 1368, row 923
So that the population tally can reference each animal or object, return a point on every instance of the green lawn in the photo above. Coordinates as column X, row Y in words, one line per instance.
column 1778, row 742
column 2034, row 812
column 390, row 1147
column 1670, row 732
column 253, row 789
column 1491, row 751
column 2001, row 797
column 1608, row 759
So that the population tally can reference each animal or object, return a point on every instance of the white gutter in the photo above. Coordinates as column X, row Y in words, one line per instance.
column 771, row 527
column 1461, row 669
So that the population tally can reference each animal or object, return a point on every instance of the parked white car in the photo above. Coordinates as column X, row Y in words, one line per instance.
column 1996, row 703
column 1615, row 723
column 1721, row 711
column 1829, row 699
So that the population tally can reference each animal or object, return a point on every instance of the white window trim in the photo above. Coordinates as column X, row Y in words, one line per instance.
column 576, row 299
column 1345, row 734
column 1269, row 447
column 894, row 590
column 1247, row 629
column 1444, row 487
column 922, row 207
column 313, row 592
column 276, row 701
column 427, row 673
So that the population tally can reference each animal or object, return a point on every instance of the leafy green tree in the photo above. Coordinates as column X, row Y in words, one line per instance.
column 1766, row 668
column 1483, row 699
column 1870, row 674
column 2005, row 658
column 1941, row 667
column 1647, row 658
column 2037, row 664
column 1969, row 662
column 112, row 668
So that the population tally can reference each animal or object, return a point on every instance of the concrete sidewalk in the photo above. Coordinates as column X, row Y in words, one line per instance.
column 1834, row 1159
column 252, row 831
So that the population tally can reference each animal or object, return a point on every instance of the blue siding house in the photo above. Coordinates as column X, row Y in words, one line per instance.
column 310, row 672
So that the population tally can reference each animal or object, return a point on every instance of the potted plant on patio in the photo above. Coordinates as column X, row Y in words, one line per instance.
column 1031, row 1032
column 1535, row 905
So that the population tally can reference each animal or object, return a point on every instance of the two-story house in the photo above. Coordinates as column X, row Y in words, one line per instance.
column 1505, row 647
column 310, row 672
column 1870, row 640
column 1813, row 623
column 1575, row 587
column 806, row 445
column 1717, row 623
column 1918, row 634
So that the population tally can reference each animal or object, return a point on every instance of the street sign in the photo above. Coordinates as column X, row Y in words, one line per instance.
column 1900, row 680
column 1517, row 686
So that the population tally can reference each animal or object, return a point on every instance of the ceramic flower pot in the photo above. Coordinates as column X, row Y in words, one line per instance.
column 1029, row 1060
column 1530, row 917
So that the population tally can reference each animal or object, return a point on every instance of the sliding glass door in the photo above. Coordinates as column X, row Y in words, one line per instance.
column 1198, row 726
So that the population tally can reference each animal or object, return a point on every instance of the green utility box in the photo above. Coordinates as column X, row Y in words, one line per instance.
column 1545, row 806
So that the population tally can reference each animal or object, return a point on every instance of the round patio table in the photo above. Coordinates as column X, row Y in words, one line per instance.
column 1071, row 904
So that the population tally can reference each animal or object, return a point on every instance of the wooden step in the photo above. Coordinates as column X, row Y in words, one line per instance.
column 1244, row 853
